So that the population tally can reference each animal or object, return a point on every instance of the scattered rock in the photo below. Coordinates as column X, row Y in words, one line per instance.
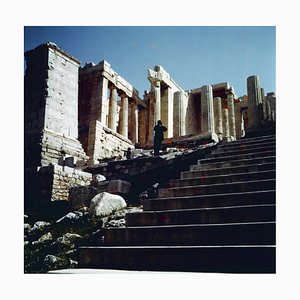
column 70, row 216
column 46, row 237
column 97, row 178
column 73, row 263
column 83, row 210
column 38, row 226
column 104, row 204
column 68, row 239
column 27, row 226
column 51, row 259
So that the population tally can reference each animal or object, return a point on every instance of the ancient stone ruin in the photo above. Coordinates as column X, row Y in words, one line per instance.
column 77, row 116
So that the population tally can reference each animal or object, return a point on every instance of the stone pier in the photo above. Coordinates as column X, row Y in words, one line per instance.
column 254, row 100
column 51, row 106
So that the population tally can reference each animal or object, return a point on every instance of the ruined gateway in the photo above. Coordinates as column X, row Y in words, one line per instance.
column 77, row 116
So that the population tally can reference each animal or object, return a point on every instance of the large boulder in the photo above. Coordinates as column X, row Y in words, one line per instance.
column 105, row 204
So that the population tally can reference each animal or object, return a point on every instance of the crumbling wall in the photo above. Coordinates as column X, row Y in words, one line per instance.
column 55, row 181
column 104, row 142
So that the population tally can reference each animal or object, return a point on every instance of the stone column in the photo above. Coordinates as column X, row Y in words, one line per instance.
column 180, row 104
column 102, row 94
column 254, row 99
column 225, row 124
column 231, row 115
column 207, row 110
column 239, row 126
column 268, row 111
column 151, row 115
column 134, row 117
column 218, row 116
column 123, row 120
column 112, row 112
column 157, row 108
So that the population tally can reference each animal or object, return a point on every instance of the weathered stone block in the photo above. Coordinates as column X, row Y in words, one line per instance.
column 118, row 187
column 81, row 196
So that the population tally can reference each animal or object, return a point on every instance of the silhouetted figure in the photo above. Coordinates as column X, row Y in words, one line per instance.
column 158, row 136
column 129, row 153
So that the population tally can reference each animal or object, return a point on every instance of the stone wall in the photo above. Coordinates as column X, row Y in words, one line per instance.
column 55, row 181
column 104, row 142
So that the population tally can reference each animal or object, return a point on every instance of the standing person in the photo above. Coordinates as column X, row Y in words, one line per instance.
column 158, row 136
column 128, row 153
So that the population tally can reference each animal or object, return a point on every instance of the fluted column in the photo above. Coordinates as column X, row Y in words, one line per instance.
column 218, row 116
column 231, row 115
column 151, row 118
column 239, row 124
column 180, row 104
column 123, row 119
column 157, row 107
column 225, row 124
column 207, row 110
column 134, row 117
column 112, row 112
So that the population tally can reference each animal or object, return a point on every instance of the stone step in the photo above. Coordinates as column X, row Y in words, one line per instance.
column 249, row 141
column 254, row 233
column 214, row 200
column 221, row 259
column 246, row 186
column 213, row 163
column 219, row 152
column 229, row 170
column 225, row 157
column 237, row 177
column 231, row 146
column 232, row 214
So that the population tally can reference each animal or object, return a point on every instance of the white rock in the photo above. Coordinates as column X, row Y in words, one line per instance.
column 27, row 226
column 98, row 178
column 70, row 216
column 104, row 204
column 45, row 237
column 51, row 259
column 39, row 225
column 68, row 238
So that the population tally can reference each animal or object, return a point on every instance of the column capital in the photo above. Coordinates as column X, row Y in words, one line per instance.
column 155, row 82
column 229, row 92
column 123, row 94
column 112, row 87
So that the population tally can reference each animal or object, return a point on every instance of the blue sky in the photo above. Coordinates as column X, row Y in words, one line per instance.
column 193, row 56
